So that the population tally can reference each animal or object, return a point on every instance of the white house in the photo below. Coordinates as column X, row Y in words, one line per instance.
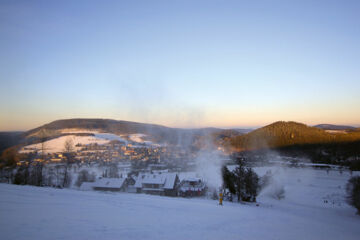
column 157, row 183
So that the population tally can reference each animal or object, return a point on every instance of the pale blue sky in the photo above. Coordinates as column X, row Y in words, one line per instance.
column 180, row 63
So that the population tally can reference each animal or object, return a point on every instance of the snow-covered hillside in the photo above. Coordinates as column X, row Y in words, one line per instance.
column 46, row 213
column 139, row 138
column 57, row 144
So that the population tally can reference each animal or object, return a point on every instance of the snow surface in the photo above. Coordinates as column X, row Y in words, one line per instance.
column 57, row 144
column 109, row 136
column 139, row 138
column 28, row 212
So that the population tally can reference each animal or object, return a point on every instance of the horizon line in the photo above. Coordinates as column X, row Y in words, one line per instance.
column 247, row 127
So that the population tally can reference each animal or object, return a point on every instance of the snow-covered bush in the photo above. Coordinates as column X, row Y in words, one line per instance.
column 353, row 192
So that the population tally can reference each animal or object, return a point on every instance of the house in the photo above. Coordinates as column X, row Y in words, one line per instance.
column 190, row 187
column 157, row 183
column 171, row 184
column 110, row 184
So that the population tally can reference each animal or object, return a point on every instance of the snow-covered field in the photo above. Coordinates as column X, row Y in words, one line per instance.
column 45, row 213
column 139, row 138
column 57, row 144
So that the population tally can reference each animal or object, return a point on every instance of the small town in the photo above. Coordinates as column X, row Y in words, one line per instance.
column 123, row 166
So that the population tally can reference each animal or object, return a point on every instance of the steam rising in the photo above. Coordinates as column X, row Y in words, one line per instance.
column 283, row 178
column 209, row 165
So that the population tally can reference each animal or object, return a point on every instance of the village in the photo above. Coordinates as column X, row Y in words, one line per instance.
column 116, row 166
column 113, row 151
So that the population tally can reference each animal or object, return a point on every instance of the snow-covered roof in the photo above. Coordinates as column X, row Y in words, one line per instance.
column 109, row 183
column 165, row 179
column 170, row 180
column 154, row 179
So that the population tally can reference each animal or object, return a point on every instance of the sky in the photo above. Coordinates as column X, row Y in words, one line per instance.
column 180, row 63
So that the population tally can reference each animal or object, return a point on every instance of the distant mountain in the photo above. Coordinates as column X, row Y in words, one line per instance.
column 104, row 125
column 157, row 133
column 243, row 130
column 283, row 134
column 334, row 127
column 276, row 135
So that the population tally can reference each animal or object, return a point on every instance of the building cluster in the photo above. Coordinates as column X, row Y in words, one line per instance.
column 139, row 155
column 156, row 183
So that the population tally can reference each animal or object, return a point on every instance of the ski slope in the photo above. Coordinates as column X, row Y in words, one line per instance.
column 45, row 213
column 57, row 144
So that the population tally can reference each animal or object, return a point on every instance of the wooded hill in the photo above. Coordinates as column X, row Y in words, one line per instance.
column 156, row 133
column 283, row 134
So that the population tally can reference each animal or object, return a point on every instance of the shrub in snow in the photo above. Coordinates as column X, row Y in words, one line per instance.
column 21, row 176
column 353, row 192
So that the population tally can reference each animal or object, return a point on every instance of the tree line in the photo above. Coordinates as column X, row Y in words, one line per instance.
column 242, row 182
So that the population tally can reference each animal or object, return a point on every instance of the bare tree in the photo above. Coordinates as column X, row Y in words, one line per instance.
column 36, row 173
column 69, row 146
column 68, row 152
column 111, row 171
column 43, row 135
